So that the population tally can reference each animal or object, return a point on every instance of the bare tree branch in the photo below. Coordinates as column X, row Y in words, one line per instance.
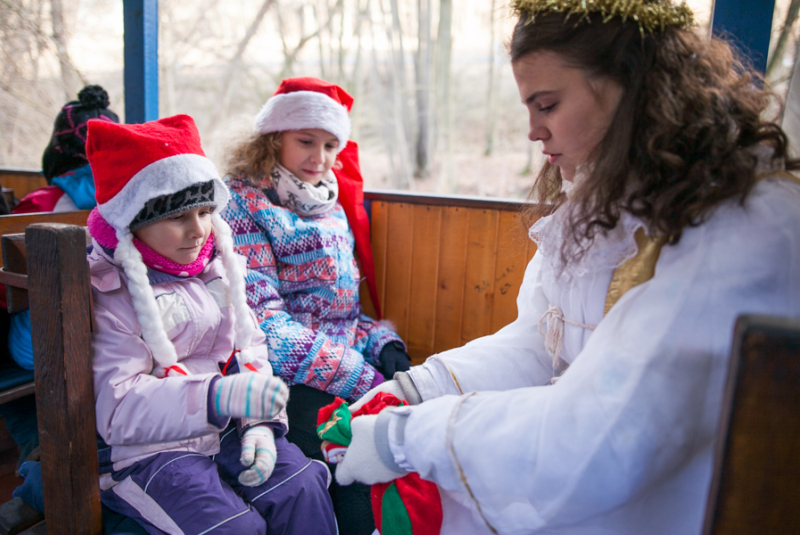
column 291, row 57
column 69, row 74
column 235, row 64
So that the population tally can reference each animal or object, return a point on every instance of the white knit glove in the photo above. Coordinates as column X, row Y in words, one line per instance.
column 390, row 387
column 249, row 395
column 259, row 453
column 362, row 462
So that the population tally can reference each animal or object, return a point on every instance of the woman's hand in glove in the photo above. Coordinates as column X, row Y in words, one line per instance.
column 362, row 462
column 390, row 387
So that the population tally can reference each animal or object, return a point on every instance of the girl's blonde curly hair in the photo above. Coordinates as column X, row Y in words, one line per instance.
column 254, row 158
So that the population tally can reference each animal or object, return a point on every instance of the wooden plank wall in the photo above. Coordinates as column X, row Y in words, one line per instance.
column 448, row 269
column 21, row 181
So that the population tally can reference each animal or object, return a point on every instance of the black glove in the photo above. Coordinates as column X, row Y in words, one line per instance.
column 393, row 358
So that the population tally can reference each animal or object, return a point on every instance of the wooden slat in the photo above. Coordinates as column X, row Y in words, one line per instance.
column 467, row 261
column 16, row 224
column 364, row 297
column 22, row 181
column 424, row 269
column 445, row 201
column 13, row 279
column 512, row 259
column 14, row 261
column 450, row 280
column 399, row 237
column 16, row 392
column 757, row 466
column 481, row 257
column 378, row 229
column 61, row 331
column 8, row 196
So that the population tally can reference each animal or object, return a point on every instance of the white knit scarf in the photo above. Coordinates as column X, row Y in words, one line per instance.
column 301, row 197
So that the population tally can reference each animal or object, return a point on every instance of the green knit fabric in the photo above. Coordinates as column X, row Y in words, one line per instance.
column 337, row 429
column 394, row 517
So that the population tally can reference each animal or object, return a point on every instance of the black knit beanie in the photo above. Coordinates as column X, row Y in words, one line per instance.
column 67, row 148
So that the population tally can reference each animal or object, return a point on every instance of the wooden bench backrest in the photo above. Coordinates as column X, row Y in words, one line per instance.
column 22, row 181
column 448, row 269
column 16, row 224
column 755, row 487
column 448, row 272
column 59, row 294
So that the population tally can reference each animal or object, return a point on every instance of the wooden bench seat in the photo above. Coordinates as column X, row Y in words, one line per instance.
column 756, row 482
column 16, row 382
column 57, row 283
column 447, row 274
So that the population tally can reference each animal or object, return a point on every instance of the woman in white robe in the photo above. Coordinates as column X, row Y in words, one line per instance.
column 595, row 412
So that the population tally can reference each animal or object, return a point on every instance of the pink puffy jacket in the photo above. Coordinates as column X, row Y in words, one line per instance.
column 139, row 415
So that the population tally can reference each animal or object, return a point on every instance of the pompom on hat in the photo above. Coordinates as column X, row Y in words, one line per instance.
column 67, row 147
column 307, row 103
column 144, row 173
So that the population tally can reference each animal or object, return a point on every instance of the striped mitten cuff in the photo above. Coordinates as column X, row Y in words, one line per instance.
column 249, row 395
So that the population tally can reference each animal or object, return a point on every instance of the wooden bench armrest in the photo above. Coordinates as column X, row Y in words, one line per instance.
column 60, row 302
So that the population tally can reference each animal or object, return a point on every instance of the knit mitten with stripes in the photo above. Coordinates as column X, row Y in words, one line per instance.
column 258, row 455
column 249, row 395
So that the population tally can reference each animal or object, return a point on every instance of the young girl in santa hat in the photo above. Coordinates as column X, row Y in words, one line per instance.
column 186, row 401
column 297, row 213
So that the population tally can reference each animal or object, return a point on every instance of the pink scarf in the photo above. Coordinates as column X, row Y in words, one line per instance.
column 106, row 236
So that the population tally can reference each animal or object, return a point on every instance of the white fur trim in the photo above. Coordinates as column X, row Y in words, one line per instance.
column 387, row 324
column 304, row 109
column 144, row 301
column 162, row 177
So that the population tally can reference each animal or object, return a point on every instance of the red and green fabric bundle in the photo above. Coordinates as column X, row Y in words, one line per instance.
column 406, row 506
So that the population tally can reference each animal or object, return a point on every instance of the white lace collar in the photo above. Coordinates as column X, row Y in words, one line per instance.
column 618, row 245
column 607, row 251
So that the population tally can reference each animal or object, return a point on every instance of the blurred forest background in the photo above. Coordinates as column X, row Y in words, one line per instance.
column 436, row 107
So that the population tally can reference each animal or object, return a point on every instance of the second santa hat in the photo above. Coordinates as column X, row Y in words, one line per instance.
column 307, row 103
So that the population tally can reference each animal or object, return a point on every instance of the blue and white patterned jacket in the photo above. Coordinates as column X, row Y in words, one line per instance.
column 302, row 283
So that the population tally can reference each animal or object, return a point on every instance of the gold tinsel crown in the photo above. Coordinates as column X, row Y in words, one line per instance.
column 652, row 15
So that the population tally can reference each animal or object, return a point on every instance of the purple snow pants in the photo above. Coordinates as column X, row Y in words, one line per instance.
column 188, row 493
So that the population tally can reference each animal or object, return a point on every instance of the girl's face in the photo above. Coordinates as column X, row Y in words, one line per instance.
column 309, row 153
column 569, row 111
column 180, row 237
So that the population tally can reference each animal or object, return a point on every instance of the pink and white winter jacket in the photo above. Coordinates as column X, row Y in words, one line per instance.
column 139, row 415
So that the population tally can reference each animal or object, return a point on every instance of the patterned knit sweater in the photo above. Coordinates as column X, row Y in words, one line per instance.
column 302, row 283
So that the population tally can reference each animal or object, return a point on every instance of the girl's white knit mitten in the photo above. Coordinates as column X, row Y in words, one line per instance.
column 249, row 395
column 259, row 453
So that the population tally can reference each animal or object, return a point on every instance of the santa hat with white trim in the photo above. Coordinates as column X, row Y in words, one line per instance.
column 144, row 173
column 313, row 103
column 307, row 103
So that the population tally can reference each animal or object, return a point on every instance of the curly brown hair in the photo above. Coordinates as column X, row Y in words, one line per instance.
column 254, row 158
column 678, row 144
